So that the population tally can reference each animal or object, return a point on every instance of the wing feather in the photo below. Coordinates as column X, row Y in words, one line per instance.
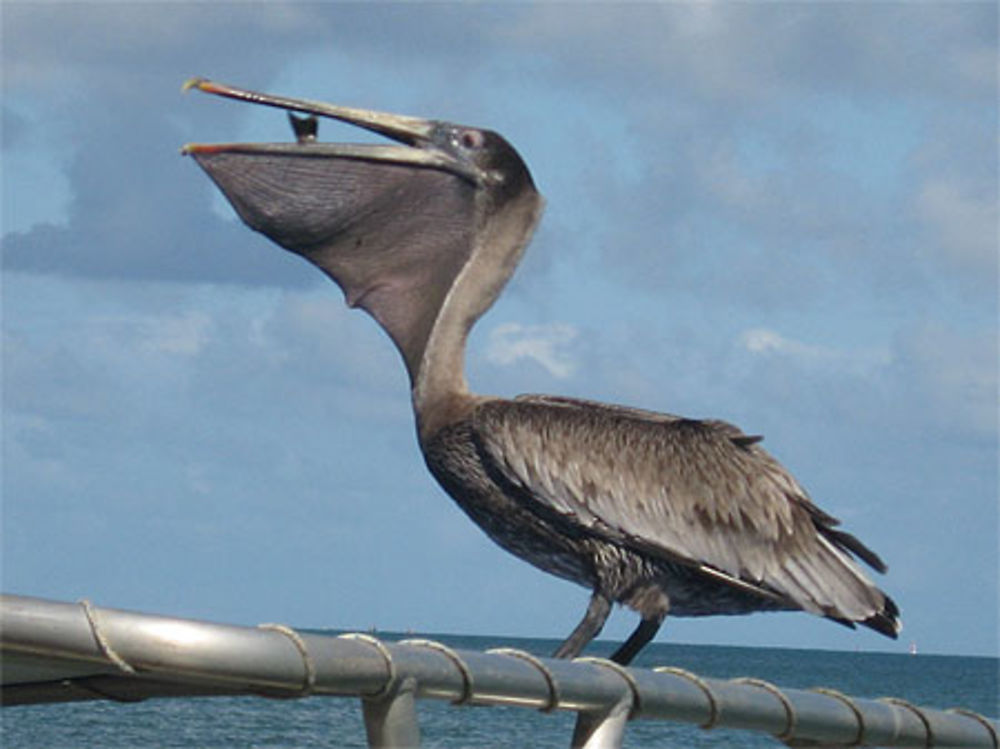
column 699, row 492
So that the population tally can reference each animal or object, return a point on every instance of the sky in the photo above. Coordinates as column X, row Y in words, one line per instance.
column 780, row 215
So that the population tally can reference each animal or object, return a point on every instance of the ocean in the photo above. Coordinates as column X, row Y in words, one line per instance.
column 255, row 723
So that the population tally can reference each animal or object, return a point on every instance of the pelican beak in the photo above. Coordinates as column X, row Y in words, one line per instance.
column 422, row 139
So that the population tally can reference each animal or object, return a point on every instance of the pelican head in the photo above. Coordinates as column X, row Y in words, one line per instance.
column 400, row 227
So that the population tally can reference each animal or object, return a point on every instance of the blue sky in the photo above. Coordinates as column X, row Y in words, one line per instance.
column 783, row 215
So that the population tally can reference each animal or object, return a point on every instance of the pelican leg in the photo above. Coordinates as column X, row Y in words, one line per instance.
column 588, row 628
column 645, row 632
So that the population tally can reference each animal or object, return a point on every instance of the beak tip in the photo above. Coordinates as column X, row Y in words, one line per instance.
column 193, row 149
column 190, row 83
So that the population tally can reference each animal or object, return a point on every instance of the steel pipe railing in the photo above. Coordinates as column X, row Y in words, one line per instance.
column 55, row 651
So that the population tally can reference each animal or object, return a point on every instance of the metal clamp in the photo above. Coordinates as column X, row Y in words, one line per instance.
column 626, row 676
column 467, row 686
column 376, row 643
column 546, row 673
column 928, row 732
column 987, row 724
column 309, row 681
column 790, row 717
column 859, row 716
column 713, row 704
column 103, row 643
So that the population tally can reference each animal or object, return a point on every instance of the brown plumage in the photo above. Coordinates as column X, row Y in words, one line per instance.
column 658, row 512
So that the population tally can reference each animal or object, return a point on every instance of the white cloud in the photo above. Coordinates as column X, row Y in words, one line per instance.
column 928, row 374
column 184, row 334
column 759, row 340
column 543, row 344
column 764, row 342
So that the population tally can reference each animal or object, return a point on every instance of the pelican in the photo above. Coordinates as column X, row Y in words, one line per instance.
column 657, row 512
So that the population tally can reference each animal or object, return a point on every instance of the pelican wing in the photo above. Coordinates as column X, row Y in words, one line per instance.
column 699, row 492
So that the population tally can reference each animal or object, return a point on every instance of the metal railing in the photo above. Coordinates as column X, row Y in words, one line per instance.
column 57, row 652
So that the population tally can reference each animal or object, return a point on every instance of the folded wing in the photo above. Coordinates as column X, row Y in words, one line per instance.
column 701, row 493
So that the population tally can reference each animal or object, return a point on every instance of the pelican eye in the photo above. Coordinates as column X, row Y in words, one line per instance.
column 471, row 139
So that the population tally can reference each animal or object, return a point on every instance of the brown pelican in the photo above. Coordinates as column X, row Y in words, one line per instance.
column 657, row 512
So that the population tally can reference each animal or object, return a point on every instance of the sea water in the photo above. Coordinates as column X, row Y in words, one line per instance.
column 249, row 722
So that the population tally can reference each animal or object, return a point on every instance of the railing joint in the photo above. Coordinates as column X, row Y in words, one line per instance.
column 309, row 677
column 983, row 721
column 546, row 672
column 391, row 674
column 859, row 716
column 790, row 717
column 928, row 731
column 713, row 703
column 455, row 658
column 625, row 674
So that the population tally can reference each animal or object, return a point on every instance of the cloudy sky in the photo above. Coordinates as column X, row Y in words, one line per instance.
column 783, row 215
